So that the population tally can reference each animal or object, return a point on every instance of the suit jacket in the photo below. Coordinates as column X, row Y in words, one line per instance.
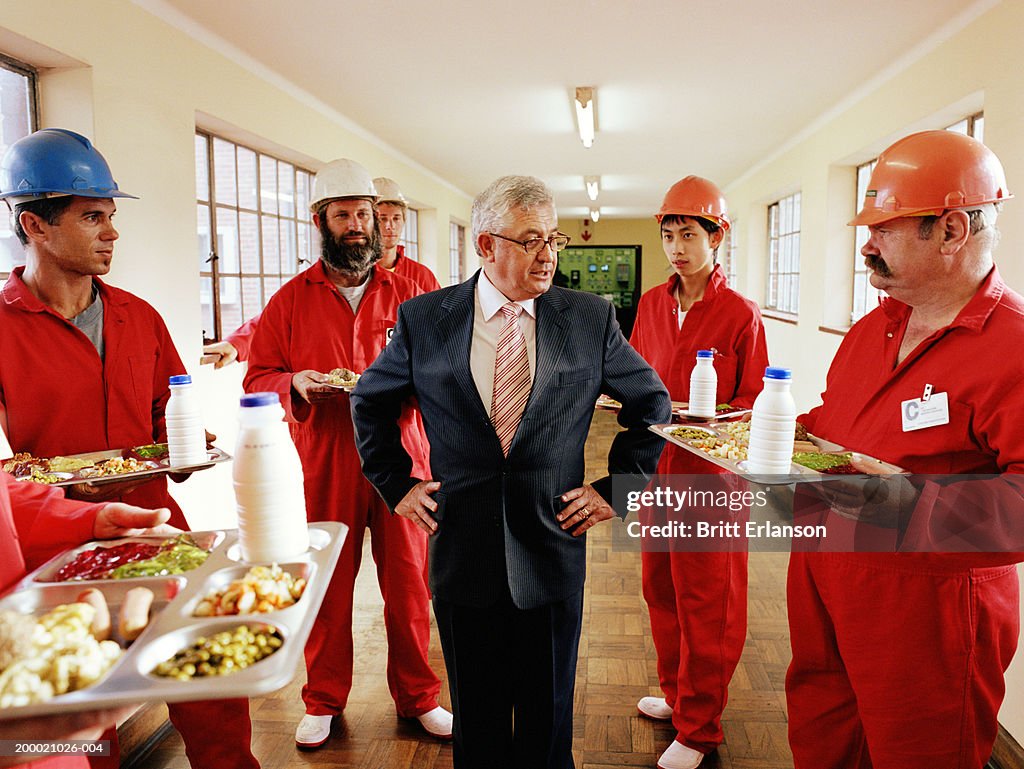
column 497, row 532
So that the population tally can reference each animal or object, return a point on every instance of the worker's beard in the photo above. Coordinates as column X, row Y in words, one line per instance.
column 352, row 258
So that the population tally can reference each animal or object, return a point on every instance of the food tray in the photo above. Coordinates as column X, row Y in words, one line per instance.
column 797, row 473
column 172, row 626
column 154, row 466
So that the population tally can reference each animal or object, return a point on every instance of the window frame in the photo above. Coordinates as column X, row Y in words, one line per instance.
column 456, row 252
column 410, row 239
column 299, row 219
column 782, row 294
column 729, row 252
column 31, row 75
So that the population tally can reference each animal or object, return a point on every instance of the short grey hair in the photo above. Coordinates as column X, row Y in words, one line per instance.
column 503, row 195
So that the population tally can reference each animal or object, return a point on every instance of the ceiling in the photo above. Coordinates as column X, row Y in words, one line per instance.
column 470, row 90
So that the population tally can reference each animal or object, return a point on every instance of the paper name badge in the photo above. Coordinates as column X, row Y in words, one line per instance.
column 919, row 413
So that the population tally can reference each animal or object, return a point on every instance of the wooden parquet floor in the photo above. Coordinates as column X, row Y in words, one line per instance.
column 616, row 668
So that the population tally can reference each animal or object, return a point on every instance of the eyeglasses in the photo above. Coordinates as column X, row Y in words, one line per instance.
column 534, row 246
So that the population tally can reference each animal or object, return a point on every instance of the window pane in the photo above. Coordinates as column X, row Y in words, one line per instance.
column 250, row 240
column 203, row 237
column 287, row 247
column 270, row 286
column 302, row 191
column 230, row 304
column 17, row 89
column 227, row 239
column 206, row 307
column 304, row 249
column 252, row 297
column 202, row 172
column 246, row 178
column 287, row 190
column 268, row 185
column 224, row 172
column 979, row 128
column 271, row 247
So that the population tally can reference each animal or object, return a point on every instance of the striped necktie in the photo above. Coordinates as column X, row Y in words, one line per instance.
column 511, row 377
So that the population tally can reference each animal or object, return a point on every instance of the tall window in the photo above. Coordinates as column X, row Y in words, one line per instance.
column 17, row 119
column 727, row 255
column 456, row 252
column 784, row 255
column 411, row 234
column 258, row 206
column 866, row 296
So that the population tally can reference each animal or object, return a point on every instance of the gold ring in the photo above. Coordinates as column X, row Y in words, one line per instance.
column 584, row 513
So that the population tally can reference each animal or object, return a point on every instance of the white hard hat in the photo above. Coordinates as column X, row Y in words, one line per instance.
column 341, row 179
column 389, row 191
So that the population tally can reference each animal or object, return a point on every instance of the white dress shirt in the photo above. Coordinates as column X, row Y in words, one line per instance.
column 487, row 322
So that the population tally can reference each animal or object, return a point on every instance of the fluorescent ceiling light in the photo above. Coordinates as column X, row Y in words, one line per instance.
column 593, row 184
column 584, row 103
column 595, row 214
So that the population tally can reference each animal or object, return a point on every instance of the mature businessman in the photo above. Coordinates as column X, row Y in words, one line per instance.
column 506, row 370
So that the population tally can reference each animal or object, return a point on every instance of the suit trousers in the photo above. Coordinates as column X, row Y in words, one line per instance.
column 511, row 673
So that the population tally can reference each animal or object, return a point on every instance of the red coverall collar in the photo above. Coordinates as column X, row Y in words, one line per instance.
column 974, row 314
column 17, row 295
column 317, row 274
column 716, row 282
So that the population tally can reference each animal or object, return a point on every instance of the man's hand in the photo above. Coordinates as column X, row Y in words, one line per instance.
column 584, row 508
column 418, row 505
column 311, row 387
column 880, row 497
column 226, row 351
column 120, row 520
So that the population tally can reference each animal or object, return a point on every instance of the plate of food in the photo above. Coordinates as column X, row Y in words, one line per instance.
column 722, row 411
column 98, row 467
column 219, row 627
column 342, row 379
column 726, row 444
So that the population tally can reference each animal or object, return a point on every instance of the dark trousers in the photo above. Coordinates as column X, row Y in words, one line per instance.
column 511, row 674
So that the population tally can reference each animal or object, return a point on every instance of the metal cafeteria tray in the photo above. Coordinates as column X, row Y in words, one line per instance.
column 172, row 626
column 154, row 466
column 797, row 473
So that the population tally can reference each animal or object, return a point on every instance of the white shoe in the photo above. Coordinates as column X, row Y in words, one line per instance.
column 437, row 723
column 654, row 707
column 678, row 756
column 313, row 731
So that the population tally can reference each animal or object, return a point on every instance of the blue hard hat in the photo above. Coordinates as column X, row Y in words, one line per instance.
column 55, row 161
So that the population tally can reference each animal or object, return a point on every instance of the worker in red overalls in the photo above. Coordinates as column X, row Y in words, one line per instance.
column 898, row 657
column 340, row 313
column 697, row 600
column 391, row 213
column 84, row 366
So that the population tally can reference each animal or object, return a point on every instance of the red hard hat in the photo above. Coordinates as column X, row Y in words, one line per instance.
column 695, row 196
column 932, row 171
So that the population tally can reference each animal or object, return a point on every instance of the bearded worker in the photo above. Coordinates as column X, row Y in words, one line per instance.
column 340, row 313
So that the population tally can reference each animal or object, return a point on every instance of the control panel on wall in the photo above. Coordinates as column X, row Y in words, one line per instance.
column 612, row 272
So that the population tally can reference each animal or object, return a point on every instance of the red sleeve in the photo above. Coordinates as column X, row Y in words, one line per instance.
column 241, row 339
column 639, row 327
column 270, row 366
column 752, row 351
column 46, row 522
column 429, row 281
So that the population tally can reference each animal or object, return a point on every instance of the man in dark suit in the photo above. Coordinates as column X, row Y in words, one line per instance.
column 506, row 370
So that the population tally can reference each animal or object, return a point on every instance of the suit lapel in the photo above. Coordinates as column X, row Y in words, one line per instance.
column 456, row 329
column 552, row 331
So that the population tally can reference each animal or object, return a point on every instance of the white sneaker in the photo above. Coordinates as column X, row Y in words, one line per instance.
column 678, row 756
column 654, row 707
column 437, row 723
column 313, row 731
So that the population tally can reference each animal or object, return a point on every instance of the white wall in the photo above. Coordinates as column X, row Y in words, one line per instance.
column 977, row 67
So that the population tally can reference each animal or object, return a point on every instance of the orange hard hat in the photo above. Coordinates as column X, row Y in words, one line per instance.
column 695, row 196
column 929, row 172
